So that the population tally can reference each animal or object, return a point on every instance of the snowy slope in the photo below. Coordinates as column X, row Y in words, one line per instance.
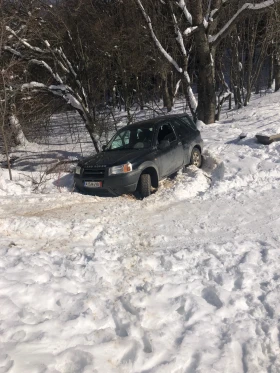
column 186, row 281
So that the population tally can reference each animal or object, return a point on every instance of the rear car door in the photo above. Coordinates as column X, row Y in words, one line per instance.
column 187, row 133
column 171, row 158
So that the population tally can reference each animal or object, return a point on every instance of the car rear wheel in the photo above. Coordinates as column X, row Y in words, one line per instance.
column 196, row 158
column 145, row 185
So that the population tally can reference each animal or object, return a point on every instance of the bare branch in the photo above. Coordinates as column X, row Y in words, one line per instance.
column 157, row 42
column 246, row 8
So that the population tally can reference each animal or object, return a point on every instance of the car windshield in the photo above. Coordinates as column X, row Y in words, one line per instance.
column 132, row 138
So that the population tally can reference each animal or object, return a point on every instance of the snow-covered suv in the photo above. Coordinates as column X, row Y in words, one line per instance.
column 140, row 155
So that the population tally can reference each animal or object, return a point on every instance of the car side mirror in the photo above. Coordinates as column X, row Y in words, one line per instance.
column 103, row 147
column 164, row 144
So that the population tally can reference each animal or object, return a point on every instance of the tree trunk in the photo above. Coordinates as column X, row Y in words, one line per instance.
column 257, row 87
column 270, row 69
column 17, row 131
column 221, row 84
column 6, row 148
column 90, row 126
column 140, row 93
column 167, row 98
column 89, row 119
column 206, row 78
column 237, row 97
column 114, row 97
column 249, row 61
column 277, row 69
column 236, row 69
column 188, row 93
column 187, row 90
column 170, row 87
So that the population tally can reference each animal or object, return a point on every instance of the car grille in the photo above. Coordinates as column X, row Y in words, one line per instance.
column 94, row 173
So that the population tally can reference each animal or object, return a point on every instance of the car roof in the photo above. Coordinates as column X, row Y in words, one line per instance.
column 155, row 120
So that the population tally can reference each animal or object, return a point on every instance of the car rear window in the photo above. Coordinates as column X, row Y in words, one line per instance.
column 189, row 123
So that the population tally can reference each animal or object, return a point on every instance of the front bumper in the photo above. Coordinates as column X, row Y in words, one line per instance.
column 115, row 185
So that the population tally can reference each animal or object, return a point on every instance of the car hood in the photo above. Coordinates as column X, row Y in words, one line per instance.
column 114, row 157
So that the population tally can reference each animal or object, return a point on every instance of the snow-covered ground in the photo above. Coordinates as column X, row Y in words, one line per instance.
column 185, row 281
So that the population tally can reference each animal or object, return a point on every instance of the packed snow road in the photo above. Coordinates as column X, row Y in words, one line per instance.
column 187, row 280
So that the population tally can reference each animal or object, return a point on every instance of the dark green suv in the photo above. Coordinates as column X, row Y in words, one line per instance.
column 140, row 155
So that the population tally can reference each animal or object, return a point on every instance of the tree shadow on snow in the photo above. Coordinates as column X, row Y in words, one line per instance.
column 66, row 181
column 252, row 142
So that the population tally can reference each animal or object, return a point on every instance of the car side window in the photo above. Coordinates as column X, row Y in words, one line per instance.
column 144, row 138
column 121, row 140
column 145, row 134
column 188, row 122
column 181, row 129
column 166, row 133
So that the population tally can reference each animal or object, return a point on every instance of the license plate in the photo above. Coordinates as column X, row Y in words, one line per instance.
column 93, row 184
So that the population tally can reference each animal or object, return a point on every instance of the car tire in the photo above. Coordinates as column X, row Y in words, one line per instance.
column 196, row 158
column 145, row 185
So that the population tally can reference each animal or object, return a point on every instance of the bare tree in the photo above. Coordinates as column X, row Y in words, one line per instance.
column 55, row 73
column 203, row 22
column 3, row 114
column 8, row 121
column 181, row 68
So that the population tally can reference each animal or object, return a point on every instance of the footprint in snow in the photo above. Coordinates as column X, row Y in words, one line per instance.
column 5, row 363
column 209, row 294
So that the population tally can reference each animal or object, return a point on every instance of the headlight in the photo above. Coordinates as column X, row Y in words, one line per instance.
column 78, row 170
column 122, row 169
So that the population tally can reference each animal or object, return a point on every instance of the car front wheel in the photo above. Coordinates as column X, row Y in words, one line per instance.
column 145, row 185
column 196, row 158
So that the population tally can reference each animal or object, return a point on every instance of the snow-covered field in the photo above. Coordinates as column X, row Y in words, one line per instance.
column 185, row 281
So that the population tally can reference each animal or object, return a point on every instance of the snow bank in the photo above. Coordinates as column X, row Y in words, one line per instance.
column 26, row 183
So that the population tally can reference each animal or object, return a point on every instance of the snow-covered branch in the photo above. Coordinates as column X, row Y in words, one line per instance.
column 72, row 98
column 61, row 90
column 247, row 7
column 179, row 36
column 190, row 30
column 187, row 14
column 58, row 56
column 177, row 87
column 66, row 61
column 170, row 59
column 22, row 27
column 212, row 13
column 157, row 42
column 12, row 50
column 192, row 99
column 59, row 69
column 214, row 8
column 24, row 42
column 47, row 67
column 33, row 86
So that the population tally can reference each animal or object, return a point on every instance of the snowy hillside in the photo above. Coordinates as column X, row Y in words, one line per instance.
column 185, row 281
